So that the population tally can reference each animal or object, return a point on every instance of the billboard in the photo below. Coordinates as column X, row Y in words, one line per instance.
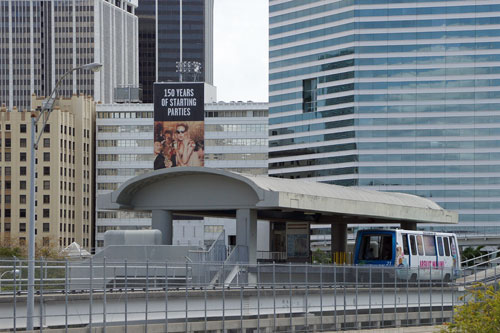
column 179, row 129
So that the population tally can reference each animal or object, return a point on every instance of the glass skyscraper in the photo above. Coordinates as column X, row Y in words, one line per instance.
column 159, row 40
column 394, row 95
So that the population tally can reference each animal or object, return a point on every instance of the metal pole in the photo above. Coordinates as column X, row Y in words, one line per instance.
column 430, row 292
column 147, row 295
column 356, row 272
column 345, row 285
column 180, row 38
column 126, row 294
column 418, row 288
column 15, row 291
column 91, row 273
column 186, row 299
column 321, row 295
column 258, row 297
column 66, row 296
column 30, row 300
column 274, row 297
column 166, row 299
column 407, row 294
column 41, row 294
column 223, row 297
column 291, row 304
column 395, row 298
column 104, row 294
column 241, row 307
column 335, row 294
column 370, row 295
column 383, row 272
column 307, row 294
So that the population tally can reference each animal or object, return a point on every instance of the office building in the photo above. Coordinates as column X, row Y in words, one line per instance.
column 391, row 95
column 160, row 40
column 64, row 175
column 43, row 39
column 235, row 139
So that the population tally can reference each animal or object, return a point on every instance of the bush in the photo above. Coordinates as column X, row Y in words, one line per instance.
column 10, row 252
column 480, row 314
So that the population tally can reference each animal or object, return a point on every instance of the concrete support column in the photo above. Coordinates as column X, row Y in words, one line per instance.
column 246, row 232
column 162, row 220
column 409, row 225
column 339, row 242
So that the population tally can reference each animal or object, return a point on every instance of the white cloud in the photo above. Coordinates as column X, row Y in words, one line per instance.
column 241, row 50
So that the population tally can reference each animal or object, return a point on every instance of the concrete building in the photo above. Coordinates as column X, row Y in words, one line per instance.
column 43, row 39
column 390, row 95
column 160, row 40
column 64, row 175
column 235, row 139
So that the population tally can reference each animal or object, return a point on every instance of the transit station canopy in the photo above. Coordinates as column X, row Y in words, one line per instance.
column 199, row 191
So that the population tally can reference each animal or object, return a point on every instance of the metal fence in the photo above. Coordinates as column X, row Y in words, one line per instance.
column 188, row 296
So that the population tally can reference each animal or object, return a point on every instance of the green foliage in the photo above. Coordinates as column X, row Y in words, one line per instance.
column 321, row 257
column 481, row 313
column 470, row 253
column 10, row 252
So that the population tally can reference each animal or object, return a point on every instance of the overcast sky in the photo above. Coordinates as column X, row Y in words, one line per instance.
column 241, row 50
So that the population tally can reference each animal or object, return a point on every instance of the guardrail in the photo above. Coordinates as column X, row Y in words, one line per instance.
column 274, row 296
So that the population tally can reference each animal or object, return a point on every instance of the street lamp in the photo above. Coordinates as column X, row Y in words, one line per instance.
column 16, row 272
column 47, row 108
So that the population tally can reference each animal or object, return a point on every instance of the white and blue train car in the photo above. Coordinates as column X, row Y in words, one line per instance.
column 420, row 255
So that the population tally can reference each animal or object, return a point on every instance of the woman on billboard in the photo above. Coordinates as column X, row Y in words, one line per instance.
column 185, row 147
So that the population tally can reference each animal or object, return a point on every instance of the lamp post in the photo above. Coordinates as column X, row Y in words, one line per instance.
column 15, row 272
column 47, row 107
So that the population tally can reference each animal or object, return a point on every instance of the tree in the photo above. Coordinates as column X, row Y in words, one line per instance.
column 470, row 253
column 481, row 313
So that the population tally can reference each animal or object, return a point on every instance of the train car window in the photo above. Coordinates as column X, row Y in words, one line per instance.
column 420, row 246
column 453, row 248
column 413, row 244
column 440, row 246
column 446, row 246
column 376, row 247
column 429, row 245
column 406, row 250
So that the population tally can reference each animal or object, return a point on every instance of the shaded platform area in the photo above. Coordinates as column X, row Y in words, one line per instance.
column 208, row 192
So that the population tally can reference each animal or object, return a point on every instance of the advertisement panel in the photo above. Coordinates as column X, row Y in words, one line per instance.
column 179, row 129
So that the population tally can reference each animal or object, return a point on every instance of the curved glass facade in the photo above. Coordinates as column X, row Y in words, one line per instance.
column 406, row 98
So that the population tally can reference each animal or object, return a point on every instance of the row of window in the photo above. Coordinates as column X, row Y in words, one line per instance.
column 125, row 128
column 121, row 172
column 125, row 157
column 122, row 215
column 125, row 143
column 236, row 128
column 236, row 142
column 149, row 115
column 125, row 115
column 237, row 157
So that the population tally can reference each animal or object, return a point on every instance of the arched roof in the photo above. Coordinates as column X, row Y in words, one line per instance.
column 209, row 191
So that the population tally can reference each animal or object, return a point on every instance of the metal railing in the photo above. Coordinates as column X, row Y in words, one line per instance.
column 171, row 297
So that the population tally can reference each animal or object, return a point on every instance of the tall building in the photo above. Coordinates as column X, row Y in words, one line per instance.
column 390, row 94
column 160, row 40
column 43, row 39
column 235, row 139
column 64, row 175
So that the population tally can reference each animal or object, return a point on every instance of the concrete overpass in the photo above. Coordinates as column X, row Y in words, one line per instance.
column 198, row 191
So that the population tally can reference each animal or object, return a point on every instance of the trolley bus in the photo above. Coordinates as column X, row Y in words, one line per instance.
column 421, row 255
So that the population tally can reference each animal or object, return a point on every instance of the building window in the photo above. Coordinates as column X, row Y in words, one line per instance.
column 22, row 128
column 46, row 199
column 7, row 157
column 46, row 171
column 22, row 199
column 46, row 129
column 309, row 95
column 7, row 227
column 22, row 171
column 46, row 157
column 22, row 143
column 22, row 157
column 22, row 227
column 7, row 171
column 7, row 198
column 46, row 241
column 46, row 213
column 22, row 241
column 46, row 143
column 22, row 213
column 7, row 212
column 46, row 227
column 22, row 184
column 7, row 143
column 7, row 185
column 46, row 185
